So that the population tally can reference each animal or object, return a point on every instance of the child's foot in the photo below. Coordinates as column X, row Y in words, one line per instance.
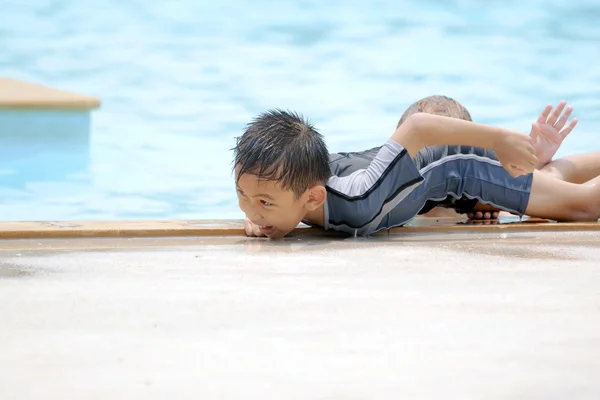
column 475, row 211
column 483, row 215
column 482, row 222
column 483, row 212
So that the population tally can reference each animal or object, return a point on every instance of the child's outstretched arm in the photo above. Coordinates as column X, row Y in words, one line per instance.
column 514, row 149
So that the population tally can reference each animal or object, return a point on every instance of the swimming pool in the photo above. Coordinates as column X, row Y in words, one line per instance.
column 180, row 80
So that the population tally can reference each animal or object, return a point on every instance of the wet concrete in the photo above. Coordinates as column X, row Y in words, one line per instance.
column 422, row 316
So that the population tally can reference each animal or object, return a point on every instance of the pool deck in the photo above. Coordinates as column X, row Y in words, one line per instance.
column 164, row 228
column 480, row 312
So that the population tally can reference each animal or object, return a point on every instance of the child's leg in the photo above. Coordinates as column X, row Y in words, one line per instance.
column 595, row 181
column 552, row 198
column 576, row 168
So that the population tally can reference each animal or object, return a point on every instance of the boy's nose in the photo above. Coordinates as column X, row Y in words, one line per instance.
column 254, row 216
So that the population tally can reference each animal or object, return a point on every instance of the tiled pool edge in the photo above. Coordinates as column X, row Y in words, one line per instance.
column 181, row 228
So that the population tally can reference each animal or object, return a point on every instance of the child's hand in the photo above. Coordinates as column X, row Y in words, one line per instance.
column 252, row 229
column 548, row 132
column 516, row 153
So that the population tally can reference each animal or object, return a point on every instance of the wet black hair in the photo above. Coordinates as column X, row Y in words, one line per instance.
column 282, row 146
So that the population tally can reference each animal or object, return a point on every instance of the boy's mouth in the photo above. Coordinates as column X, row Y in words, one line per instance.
column 267, row 230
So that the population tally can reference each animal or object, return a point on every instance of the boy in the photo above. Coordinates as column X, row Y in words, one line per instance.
column 549, row 130
column 283, row 176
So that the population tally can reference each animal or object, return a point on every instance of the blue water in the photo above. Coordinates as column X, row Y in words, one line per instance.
column 180, row 79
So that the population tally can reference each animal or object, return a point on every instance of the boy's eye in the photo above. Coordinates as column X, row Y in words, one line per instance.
column 240, row 192
column 266, row 203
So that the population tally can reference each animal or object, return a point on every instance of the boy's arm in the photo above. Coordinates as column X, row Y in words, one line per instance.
column 514, row 149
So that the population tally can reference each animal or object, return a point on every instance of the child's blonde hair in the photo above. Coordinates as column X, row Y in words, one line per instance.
column 439, row 105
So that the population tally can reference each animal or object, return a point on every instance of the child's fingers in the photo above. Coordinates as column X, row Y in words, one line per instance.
column 248, row 228
column 563, row 120
column 525, row 169
column 530, row 160
column 554, row 116
column 251, row 229
column 544, row 115
column 515, row 172
column 257, row 231
column 569, row 128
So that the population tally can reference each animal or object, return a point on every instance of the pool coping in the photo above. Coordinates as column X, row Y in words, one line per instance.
column 26, row 96
column 181, row 228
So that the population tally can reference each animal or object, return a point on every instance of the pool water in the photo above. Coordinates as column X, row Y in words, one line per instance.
column 179, row 81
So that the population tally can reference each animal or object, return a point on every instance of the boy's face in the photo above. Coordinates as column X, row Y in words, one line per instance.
column 275, row 210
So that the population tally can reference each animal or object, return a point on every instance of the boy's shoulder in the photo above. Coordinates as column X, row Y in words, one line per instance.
column 345, row 163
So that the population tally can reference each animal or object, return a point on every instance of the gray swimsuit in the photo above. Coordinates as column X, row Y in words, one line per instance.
column 384, row 187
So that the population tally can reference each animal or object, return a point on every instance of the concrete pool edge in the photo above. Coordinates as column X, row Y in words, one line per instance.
column 29, row 96
column 181, row 228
